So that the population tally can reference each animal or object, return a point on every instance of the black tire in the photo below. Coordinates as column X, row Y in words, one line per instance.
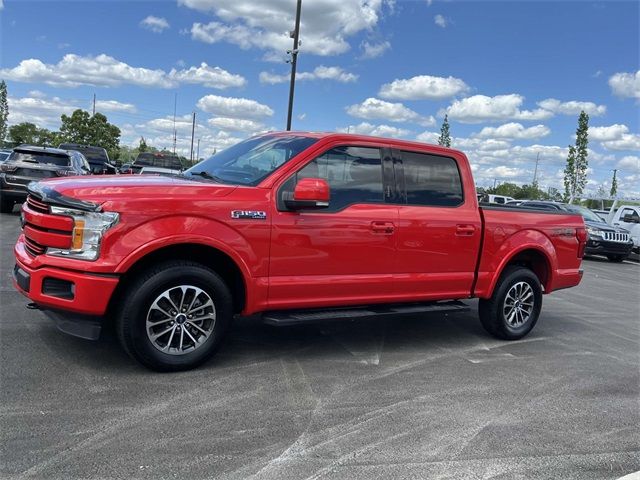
column 492, row 310
column 137, row 307
column 6, row 205
column 617, row 258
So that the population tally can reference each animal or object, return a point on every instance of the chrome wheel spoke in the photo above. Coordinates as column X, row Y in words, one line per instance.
column 518, row 304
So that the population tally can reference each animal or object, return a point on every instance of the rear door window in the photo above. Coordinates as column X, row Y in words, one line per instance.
column 430, row 180
column 41, row 157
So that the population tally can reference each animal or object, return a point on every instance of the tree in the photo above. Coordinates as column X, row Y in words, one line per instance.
column 87, row 129
column 444, row 139
column 142, row 146
column 614, row 184
column 575, row 173
column 29, row 133
column 4, row 111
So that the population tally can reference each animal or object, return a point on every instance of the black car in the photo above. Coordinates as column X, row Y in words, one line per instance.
column 28, row 163
column 158, row 160
column 612, row 242
column 96, row 156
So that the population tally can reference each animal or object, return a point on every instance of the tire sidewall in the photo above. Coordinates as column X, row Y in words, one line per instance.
column 136, row 307
column 516, row 276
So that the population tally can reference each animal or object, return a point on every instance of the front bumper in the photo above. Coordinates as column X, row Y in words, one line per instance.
column 76, row 292
column 603, row 247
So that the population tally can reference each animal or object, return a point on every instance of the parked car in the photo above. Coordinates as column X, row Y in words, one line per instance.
column 499, row 199
column 610, row 241
column 627, row 217
column 125, row 168
column 159, row 171
column 164, row 160
column 515, row 203
column 4, row 154
column 97, row 157
column 28, row 163
column 297, row 227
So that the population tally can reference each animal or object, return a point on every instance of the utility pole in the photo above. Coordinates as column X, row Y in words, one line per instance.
column 198, row 151
column 94, row 103
column 175, row 103
column 535, row 173
column 295, row 34
column 193, row 131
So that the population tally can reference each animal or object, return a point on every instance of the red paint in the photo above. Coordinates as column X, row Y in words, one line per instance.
column 364, row 253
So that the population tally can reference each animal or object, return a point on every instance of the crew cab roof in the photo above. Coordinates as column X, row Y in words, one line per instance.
column 33, row 148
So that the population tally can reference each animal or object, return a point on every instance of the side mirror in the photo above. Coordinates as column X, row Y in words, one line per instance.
column 629, row 218
column 310, row 193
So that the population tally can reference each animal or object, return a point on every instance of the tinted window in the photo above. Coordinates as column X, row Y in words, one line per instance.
column 431, row 180
column 354, row 175
column 40, row 157
column 627, row 211
column 499, row 200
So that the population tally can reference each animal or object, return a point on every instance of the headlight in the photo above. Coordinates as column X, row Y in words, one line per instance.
column 88, row 229
column 594, row 232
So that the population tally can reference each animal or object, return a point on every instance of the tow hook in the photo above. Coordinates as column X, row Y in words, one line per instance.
column 33, row 306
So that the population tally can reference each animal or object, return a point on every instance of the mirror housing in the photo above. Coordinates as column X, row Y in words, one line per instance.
column 310, row 193
column 629, row 218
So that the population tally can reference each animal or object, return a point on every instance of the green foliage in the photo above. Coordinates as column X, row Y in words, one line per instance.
column 87, row 129
column 142, row 146
column 30, row 134
column 4, row 111
column 575, row 172
column 528, row 192
column 614, row 184
column 445, row 137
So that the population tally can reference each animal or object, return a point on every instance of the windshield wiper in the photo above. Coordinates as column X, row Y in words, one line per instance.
column 208, row 176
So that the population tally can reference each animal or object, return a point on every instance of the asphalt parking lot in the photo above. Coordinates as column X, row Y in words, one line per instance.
column 411, row 397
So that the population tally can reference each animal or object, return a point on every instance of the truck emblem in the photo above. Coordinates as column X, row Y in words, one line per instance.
column 249, row 214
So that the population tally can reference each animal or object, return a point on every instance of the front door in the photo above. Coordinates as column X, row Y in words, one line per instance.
column 344, row 254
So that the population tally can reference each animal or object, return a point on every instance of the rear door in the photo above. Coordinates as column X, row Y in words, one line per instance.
column 344, row 254
column 439, row 227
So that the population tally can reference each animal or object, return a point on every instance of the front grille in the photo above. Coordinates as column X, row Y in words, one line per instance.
column 37, row 205
column 616, row 237
column 33, row 248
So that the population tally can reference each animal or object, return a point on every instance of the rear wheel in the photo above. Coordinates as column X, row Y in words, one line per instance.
column 173, row 316
column 514, row 308
column 616, row 258
column 6, row 205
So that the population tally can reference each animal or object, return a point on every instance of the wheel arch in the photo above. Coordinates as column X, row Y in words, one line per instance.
column 536, row 259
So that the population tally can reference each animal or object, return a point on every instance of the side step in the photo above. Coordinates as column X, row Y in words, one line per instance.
column 294, row 317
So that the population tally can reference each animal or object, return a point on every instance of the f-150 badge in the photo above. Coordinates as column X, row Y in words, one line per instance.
column 249, row 214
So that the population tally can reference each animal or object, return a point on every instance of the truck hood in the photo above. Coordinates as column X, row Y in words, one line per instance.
column 85, row 191
column 604, row 227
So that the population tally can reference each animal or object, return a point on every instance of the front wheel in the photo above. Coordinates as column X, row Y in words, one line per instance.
column 6, row 205
column 173, row 316
column 514, row 308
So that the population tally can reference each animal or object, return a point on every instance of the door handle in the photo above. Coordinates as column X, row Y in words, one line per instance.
column 465, row 230
column 384, row 228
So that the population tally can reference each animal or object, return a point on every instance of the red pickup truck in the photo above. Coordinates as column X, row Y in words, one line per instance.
column 294, row 226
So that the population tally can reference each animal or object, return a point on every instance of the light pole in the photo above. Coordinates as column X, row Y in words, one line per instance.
column 294, row 60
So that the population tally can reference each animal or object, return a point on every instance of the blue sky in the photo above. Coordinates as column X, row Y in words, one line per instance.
column 512, row 75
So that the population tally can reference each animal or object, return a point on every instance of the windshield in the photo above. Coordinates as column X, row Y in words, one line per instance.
column 252, row 160
column 93, row 154
column 585, row 212
column 161, row 160
column 37, row 157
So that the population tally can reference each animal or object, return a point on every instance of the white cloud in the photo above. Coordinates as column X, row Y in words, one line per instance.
column 626, row 142
column 423, row 87
column 428, row 137
column 154, row 24
column 572, row 107
column 326, row 25
column 374, row 109
column 105, row 71
column 625, row 84
column 240, row 108
column 630, row 163
column 514, row 130
column 479, row 108
column 440, row 21
column 612, row 132
column 373, row 50
column 114, row 106
column 42, row 111
column 319, row 73
column 366, row 128
column 236, row 124
column 214, row 77
column 1, row 4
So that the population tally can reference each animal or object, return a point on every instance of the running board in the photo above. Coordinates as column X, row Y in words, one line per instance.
column 294, row 317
